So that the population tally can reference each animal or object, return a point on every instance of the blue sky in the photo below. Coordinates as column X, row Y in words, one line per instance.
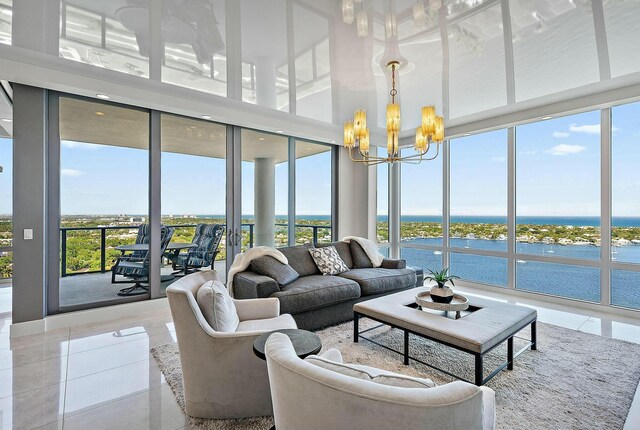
column 558, row 168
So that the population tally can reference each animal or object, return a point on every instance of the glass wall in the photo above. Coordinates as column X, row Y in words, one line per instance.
column 558, row 187
column 193, row 191
column 265, row 189
column 6, row 204
column 104, row 199
column 479, row 191
column 313, row 192
column 382, row 199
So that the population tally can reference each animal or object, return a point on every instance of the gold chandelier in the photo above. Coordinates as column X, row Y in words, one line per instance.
column 356, row 133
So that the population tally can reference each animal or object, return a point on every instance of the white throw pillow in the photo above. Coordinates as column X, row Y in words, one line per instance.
column 217, row 306
column 328, row 260
column 377, row 376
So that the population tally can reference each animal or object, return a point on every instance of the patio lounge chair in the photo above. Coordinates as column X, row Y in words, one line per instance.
column 135, row 266
column 207, row 237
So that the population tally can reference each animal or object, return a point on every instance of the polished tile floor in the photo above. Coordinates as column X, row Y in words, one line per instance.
column 101, row 376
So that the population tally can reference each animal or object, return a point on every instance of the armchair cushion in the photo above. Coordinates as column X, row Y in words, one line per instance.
column 371, row 374
column 257, row 309
column 217, row 306
column 283, row 274
column 268, row 324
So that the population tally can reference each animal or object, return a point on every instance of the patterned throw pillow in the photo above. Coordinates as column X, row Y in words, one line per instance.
column 328, row 260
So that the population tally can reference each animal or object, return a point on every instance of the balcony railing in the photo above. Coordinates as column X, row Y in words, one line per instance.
column 103, row 239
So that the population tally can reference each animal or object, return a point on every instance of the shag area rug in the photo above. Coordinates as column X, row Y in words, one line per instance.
column 574, row 380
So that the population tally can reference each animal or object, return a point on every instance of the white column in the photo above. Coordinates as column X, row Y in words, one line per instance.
column 265, row 82
column 264, row 201
column 36, row 25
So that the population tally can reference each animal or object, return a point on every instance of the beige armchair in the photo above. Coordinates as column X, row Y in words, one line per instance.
column 307, row 396
column 222, row 377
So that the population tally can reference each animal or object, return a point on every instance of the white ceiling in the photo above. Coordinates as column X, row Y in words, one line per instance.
column 554, row 47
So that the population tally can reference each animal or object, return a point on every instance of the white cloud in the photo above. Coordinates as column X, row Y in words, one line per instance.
column 560, row 134
column 71, row 173
column 565, row 149
column 78, row 145
column 587, row 128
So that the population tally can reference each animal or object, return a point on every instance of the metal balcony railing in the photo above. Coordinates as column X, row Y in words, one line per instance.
column 103, row 240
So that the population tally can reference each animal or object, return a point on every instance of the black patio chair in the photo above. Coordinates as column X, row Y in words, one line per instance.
column 207, row 237
column 134, row 267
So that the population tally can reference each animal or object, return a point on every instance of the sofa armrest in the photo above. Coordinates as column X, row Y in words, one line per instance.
column 249, row 285
column 389, row 263
column 257, row 309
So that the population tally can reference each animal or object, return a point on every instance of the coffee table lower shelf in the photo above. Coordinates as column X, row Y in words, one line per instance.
column 479, row 378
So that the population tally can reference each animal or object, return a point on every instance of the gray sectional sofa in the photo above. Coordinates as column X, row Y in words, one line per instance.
column 317, row 301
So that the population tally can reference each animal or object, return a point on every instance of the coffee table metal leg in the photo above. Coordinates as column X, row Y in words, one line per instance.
column 479, row 370
column 534, row 336
column 406, row 347
column 510, row 353
column 356, row 318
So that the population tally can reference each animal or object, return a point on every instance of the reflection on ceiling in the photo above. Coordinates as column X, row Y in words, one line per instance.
column 85, row 122
column 320, row 59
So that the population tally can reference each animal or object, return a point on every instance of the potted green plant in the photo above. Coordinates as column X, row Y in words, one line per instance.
column 440, row 292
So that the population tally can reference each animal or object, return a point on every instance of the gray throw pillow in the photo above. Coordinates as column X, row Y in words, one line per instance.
column 300, row 259
column 283, row 274
column 360, row 258
column 328, row 260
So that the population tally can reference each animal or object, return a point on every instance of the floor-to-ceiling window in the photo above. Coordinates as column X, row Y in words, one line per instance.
column 478, row 208
column 421, row 212
column 265, row 189
column 625, row 206
column 558, row 205
column 6, row 14
column 104, row 196
column 313, row 192
column 193, row 187
column 6, row 204
column 382, row 203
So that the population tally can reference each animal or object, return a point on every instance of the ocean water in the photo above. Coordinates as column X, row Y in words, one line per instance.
column 577, row 282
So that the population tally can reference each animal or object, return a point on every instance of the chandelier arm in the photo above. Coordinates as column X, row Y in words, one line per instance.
column 365, row 158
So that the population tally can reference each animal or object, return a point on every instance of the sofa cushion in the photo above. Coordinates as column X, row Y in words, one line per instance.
column 300, row 259
column 316, row 291
column 371, row 374
column 378, row 280
column 217, row 306
column 283, row 274
column 344, row 250
column 328, row 260
column 360, row 258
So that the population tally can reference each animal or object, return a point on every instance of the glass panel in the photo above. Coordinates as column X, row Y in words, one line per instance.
column 623, row 36
column 193, row 190
column 265, row 189
column 111, row 38
column 197, row 59
column 6, row 16
column 382, row 223
column 479, row 191
column 264, row 50
column 426, row 259
column 558, row 187
column 574, row 282
column 6, row 204
column 384, row 251
column 625, row 289
column 104, row 198
column 625, row 177
column 421, row 201
column 554, row 47
column 313, row 192
column 477, row 44
column 478, row 268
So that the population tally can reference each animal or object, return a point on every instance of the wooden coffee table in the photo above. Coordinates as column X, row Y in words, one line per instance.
column 304, row 342
column 485, row 325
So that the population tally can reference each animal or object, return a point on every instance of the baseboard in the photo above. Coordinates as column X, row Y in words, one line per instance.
column 55, row 322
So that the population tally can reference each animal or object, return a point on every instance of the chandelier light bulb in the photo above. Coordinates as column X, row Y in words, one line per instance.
column 362, row 24
column 393, row 118
column 439, row 129
column 421, row 140
column 419, row 15
column 364, row 142
column 349, row 136
column 359, row 123
column 348, row 11
column 428, row 120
